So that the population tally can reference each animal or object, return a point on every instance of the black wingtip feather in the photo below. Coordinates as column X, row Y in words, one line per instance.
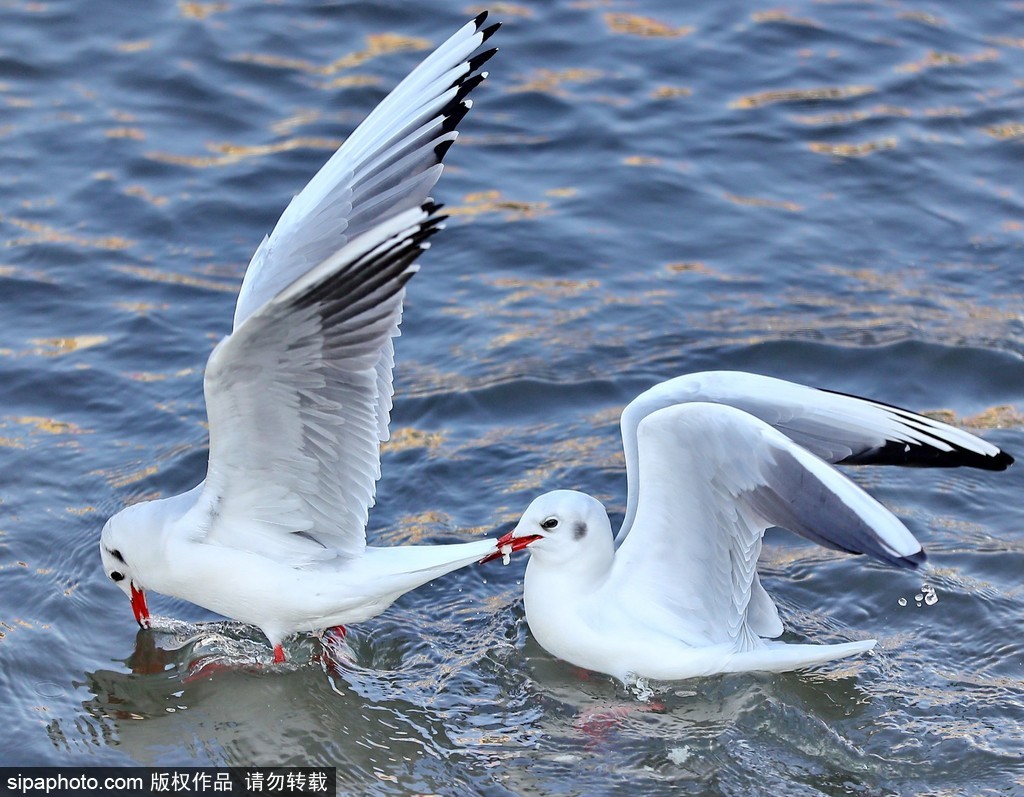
column 456, row 115
column 478, row 61
column 488, row 32
column 909, row 455
column 480, row 19
column 916, row 455
column 467, row 86
column 442, row 149
column 1001, row 461
column 433, row 224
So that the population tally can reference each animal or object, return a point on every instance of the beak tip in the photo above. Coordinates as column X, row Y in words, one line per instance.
column 139, row 607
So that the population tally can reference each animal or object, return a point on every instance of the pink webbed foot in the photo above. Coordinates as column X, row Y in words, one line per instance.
column 278, row 654
column 597, row 723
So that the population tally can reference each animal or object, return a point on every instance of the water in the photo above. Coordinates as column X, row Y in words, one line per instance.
column 828, row 193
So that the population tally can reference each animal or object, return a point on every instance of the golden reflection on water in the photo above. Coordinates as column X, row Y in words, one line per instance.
column 936, row 59
column 1003, row 416
column 760, row 202
column 201, row 10
column 641, row 160
column 49, row 426
column 55, row 347
column 125, row 132
column 138, row 46
column 860, row 303
column 671, row 92
column 636, row 25
column 298, row 118
column 42, row 233
column 170, row 277
column 1007, row 131
column 501, row 9
column 419, row 528
column 550, row 288
column 481, row 202
column 377, row 44
column 779, row 16
column 846, row 150
column 923, row 17
column 233, row 153
column 154, row 376
column 125, row 479
column 404, row 438
column 142, row 193
column 819, row 94
column 852, row 116
column 551, row 81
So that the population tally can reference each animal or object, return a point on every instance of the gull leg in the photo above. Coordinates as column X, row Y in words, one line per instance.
column 336, row 654
column 336, row 634
column 278, row 654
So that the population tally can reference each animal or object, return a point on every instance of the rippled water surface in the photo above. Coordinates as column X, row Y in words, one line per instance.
column 825, row 191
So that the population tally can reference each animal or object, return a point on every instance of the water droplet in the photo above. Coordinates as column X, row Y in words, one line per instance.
column 929, row 595
column 919, row 597
column 902, row 601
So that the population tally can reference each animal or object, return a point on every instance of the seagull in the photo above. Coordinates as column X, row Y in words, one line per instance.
column 712, row 460
column 299, row 395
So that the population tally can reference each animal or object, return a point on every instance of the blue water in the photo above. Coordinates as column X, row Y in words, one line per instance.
column 828, row 192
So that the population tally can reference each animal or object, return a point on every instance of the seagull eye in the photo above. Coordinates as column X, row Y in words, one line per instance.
column 550, row 523
column 116, row 576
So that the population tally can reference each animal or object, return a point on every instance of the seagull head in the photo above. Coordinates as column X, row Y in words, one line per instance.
column 119, row 548
column 561, row 527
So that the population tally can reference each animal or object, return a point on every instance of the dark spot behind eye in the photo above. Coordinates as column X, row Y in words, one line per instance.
column 579, row 531
column 116, row 576
column 117, row 555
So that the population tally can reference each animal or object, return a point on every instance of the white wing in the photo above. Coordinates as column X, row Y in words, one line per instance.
column 293, row 398
column 712, row 478
column 388, row 165
column 834, row 426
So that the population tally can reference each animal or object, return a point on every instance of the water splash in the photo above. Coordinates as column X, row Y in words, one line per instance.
column 640, row 688
column 926, row 597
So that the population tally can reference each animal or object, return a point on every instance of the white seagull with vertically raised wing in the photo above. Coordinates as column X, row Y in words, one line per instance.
column 299, row 394
column 712, row 461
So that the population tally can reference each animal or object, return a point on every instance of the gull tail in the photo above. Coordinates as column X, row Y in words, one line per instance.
column 406, row 567
column 782, row 657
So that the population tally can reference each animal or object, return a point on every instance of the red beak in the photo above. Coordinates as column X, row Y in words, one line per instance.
column 508, row 541
column 139, row 607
